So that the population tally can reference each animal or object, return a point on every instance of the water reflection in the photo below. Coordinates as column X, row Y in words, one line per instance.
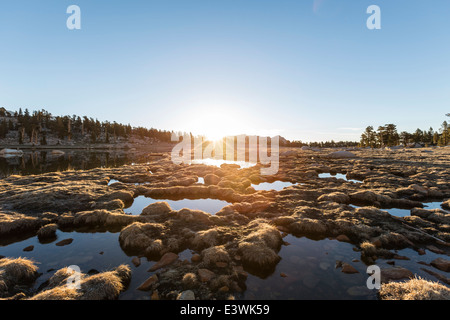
column 308, row 269
column 276, row 185
column 307, row 266
column 38, row 162
column 434, row 205
column 397, row 212
column 338, row 176
column 96, row 252
column 207, row 205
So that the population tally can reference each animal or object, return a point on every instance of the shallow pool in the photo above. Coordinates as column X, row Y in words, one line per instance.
column 276, row 185
column 112, row 181
column 207, row 205
column 338, row 176
column 307, row 272
column 397, row 212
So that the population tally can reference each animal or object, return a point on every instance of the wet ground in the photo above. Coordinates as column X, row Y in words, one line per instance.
column 309, row 206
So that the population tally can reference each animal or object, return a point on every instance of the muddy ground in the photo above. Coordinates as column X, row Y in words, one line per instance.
column 245, row 236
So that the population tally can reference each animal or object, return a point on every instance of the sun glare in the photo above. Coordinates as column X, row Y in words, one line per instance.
column 216, row 123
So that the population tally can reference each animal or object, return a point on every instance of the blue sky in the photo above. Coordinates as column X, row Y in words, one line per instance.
column 305, row 69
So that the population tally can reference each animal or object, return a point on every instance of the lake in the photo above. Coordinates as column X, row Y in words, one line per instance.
column 38, row 162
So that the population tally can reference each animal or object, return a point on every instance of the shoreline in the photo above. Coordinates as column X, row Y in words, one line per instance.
column 126, row 147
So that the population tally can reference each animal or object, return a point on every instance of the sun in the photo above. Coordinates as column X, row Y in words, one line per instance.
column 215, row 123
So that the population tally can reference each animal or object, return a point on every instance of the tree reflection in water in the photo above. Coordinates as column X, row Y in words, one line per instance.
column 38, row 162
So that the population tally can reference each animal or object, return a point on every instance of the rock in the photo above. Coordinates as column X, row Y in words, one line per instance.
column 341, row 154
column 155, row 295
column 196, row 258
column 239, row 271
column 370, row 197
column 446, row 205
column 421, row 252
column 283, row 275
column 215, row 254
column 186, row 295
column 346, row 268
column 414, row 289
column 441, row 264
column 64, row 242
column 398, row 257
column 205, row 275
column 29, row 248
column 165, row 260
column 224, row 289
column 306, row 226
column 189, row 280
column 136, row 261
column 435, row 250
column 418, row 189
column 438, row 276
column 157, row 208
column 147, row 284
column 125, row 196
column 211, row 179
column 377, row 243
column 342, row 238
column 338, row 197
column 396, row 273
column 220, row 264
column 47, row 232
column 290, row 153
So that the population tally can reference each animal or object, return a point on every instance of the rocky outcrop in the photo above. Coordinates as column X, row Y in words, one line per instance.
column 103, row 286
column 414, row 289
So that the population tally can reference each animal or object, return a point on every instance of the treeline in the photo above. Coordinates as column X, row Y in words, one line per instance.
column 388, row 136
column 324, row 144
column 38, row 126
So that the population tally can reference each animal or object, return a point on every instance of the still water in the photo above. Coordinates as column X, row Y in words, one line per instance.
column 338, row 176
column 306, row 271
column 38, row 162
column 211, row 206
column 276, row 185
